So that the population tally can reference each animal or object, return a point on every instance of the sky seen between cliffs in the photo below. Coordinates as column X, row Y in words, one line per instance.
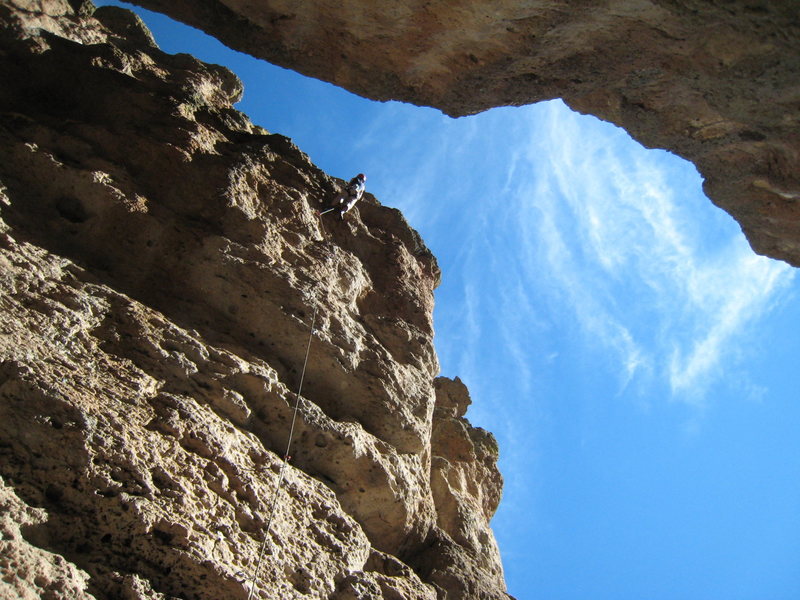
column 635, row 360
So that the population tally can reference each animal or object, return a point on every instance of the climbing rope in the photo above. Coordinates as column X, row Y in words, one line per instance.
column 285, row 460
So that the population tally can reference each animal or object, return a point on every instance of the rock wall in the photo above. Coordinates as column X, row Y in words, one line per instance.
column 162, row 264
column 713, row 81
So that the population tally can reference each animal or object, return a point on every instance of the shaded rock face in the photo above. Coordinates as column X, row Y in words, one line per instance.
column 714, row 82
column 161, row 266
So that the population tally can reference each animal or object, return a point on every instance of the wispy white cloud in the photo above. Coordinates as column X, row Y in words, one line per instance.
column 620, row 249
column 540, row 214
column 728, row 302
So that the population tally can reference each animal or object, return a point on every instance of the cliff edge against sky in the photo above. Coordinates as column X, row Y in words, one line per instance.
column 713, row 81
column 162, row 262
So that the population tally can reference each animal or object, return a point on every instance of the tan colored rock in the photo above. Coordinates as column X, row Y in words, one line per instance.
column 137, row 471
column 716, row 83
column 466, row 488
column 29, row 571
column 161, row 263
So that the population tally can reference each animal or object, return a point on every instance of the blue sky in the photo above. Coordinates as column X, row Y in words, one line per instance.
column 634, row 358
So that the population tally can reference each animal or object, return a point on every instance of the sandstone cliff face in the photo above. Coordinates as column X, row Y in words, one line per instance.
column 161, row 262
column 713, row 81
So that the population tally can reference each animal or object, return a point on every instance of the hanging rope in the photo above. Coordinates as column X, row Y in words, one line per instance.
column 285, row 459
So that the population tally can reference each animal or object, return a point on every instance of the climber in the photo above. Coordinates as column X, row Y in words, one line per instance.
column 351, row 194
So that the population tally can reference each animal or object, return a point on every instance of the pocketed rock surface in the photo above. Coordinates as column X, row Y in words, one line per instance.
column 714, row 81
column 161, row 264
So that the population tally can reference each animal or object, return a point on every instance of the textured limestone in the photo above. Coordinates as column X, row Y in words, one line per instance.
column 466, row 488
column 161, row 262
column 36, row 572
column 715, row 82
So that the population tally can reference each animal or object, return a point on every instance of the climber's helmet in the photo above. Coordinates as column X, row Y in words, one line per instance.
column 362, row 177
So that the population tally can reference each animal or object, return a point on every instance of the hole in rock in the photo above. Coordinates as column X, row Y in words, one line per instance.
column 71, row 209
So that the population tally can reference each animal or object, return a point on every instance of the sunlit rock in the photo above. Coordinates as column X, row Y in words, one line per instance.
column 161, row 264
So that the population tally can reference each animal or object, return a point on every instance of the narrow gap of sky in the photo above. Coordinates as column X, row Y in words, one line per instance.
column 634, row 358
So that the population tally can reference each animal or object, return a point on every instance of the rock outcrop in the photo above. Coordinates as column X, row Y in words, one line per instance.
column 162, row 265
column 715, row 82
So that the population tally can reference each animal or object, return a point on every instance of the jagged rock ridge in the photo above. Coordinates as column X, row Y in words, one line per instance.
column 713, row 81
column 160, row 263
